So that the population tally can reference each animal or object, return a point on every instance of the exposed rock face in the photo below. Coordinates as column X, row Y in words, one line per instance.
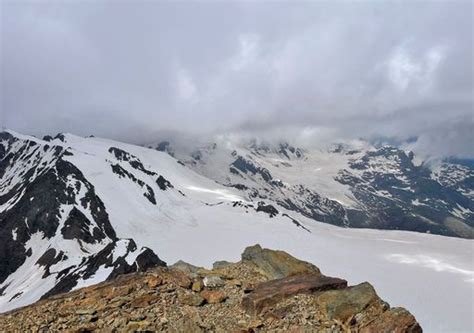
column 165, row 299
column 46, row 199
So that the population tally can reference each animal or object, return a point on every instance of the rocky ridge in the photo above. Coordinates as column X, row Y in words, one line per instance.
column 266, row 291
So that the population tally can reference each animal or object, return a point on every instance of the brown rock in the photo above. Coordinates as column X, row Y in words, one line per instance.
column 269, row 293
column 153, row 281
column 221, row 264
column 256, row 323
column 345, row 303
column 88, row 311
column 185, row 325
column 135, row 326
column 197, row 286
column 213, row 296
column 395, row 320
column 135, row 302
column 248, row 287
column 279, row 313
column 191, row 299
column 235, row 282
column 185, row 267
column 143, row 301
column 119, row 301
column 276, row 264
column 179, row 277
column 119, row 291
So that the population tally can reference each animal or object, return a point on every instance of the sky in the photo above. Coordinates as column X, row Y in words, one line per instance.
column 309, row 71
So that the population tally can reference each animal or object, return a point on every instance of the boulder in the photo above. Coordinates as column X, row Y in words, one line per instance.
column 191, row 299
column 198, row 285
column 213, row 296
column 395, row 320
column 177, row 277
column 185, row 267
column 220, row 264
column 185, row 325
column 269, row 293
column 153, row 281
column 213, row 281
column 276, row 264
column 345, row 303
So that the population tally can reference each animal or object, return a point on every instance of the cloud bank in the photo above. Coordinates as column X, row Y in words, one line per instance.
column 331, row 70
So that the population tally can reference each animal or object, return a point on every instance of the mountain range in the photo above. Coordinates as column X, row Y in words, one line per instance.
column 76, row 211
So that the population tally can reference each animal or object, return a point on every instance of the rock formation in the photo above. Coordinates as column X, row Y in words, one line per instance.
column 267, row 291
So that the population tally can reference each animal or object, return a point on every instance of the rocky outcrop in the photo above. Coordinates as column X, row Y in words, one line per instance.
column 276, row 264
column 269, row 293
column 235, row 297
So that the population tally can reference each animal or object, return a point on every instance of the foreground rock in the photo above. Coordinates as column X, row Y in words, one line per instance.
column 267, row 291
column 276, row 264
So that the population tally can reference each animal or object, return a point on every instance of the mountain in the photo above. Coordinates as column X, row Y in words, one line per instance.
column 76, row 211
column 266, row 291
column 65, row 199
column 361, row 187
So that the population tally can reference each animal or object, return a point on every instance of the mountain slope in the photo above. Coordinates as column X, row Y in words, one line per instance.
column 60, row 195
column 107, row 207
column 362, row 187
column 55, row 230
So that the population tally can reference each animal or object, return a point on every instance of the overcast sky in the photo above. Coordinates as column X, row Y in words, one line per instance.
column 330, row 70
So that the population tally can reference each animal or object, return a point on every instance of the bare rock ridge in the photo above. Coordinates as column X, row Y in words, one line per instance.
column 267, row 291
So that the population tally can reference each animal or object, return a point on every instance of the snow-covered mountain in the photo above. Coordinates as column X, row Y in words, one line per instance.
column 75, row 211
column 356, row 185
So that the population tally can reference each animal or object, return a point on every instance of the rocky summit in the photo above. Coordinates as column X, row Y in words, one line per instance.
column 267, row 291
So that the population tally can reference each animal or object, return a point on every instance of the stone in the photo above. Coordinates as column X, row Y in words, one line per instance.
column 197, row 286
column 185, row 267
column 213, row 296
column 220, row 264
column 160, row 300
column 135, row 326
column 235, row 283
column 276, row 264
column 269, row 293
column 153, row 282
column 119, row 291
column 191, row 299
column 143, row 301
column 179, row 277
column 345, row 303
column 86, row 311
column 396, row 320
column 213, row 281
column 185, row 325
column 248, row 287
column 118, row 322
column 256, row 323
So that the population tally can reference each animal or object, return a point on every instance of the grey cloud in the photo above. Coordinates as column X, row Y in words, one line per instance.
column 129, row 70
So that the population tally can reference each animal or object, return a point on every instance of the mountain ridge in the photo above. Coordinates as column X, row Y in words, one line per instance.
column 155, row 208
column 364, row 186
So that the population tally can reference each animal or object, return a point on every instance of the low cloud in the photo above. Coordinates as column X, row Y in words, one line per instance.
column 323, row 71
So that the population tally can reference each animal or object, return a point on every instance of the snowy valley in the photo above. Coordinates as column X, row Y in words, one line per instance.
column 75, row 211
